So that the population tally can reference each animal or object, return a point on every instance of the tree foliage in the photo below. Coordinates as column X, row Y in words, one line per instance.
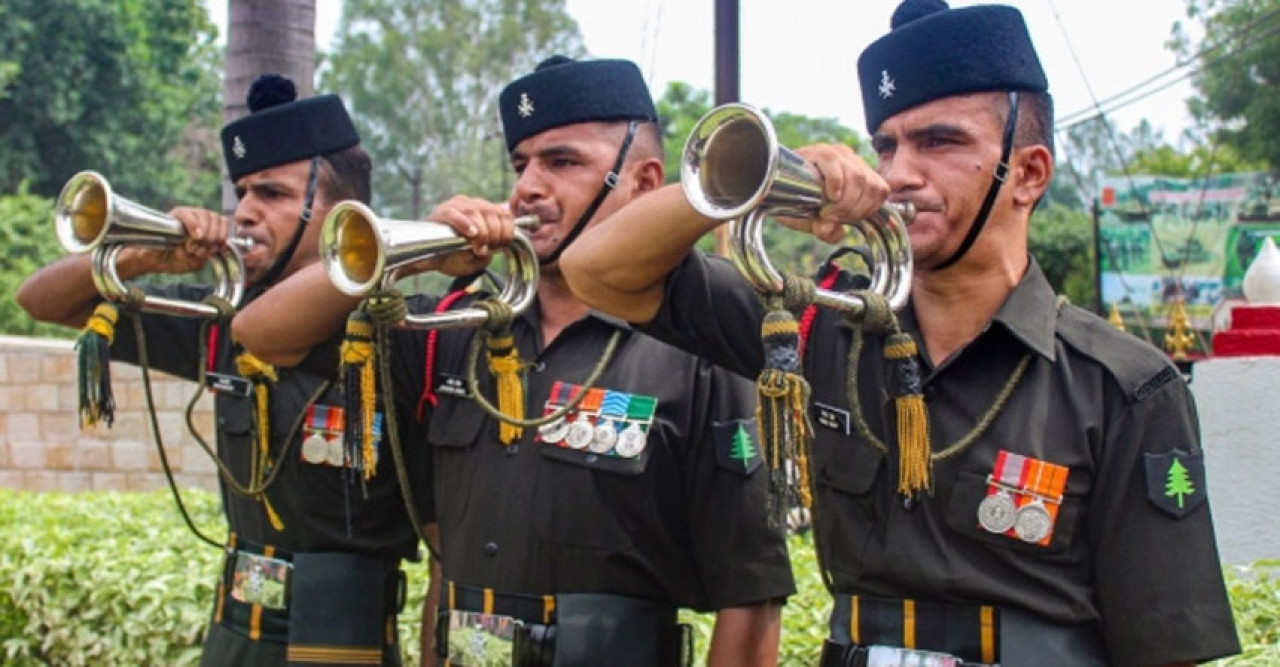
column 126, row 87
column 422, row 80
column 1061, row 240
column 680, row 107
column 26, row 234
column 1239, row 80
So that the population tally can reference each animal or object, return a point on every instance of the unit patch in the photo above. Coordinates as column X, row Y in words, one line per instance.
column 1175, row 481
column 738, row 445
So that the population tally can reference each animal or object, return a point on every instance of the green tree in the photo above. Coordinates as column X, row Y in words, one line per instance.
column 422, row 79
column 26, row 234
column 1061, row 239
column 1178, row 482
column 1239, row 78
column 743, row 448
column 126, row 87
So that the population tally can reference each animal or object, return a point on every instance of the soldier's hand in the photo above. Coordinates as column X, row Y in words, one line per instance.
column 206, row 236
column 485, row 225
column 852, row 188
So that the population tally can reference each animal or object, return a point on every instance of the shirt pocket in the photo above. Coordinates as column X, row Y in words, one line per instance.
column 962, row 516
column 589, row 500
column 455, row 427
column 234, row 415
column 456, row 424
column 848, row 502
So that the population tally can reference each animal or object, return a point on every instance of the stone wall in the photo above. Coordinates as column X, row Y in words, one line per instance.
column 43, row 448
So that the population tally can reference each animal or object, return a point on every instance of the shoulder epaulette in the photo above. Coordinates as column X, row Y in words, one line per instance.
column 1138, row 367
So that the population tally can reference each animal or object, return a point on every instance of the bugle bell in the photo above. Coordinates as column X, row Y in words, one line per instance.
column 89, row 217
column 732, row 168
column 362, row 252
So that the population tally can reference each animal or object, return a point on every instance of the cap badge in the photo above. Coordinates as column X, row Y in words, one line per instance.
column 237, row 147
column 886, row 84
column 526, row 106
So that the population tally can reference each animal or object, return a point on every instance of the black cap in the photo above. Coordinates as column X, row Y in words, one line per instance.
column 933, row 51
column 281, row 129
column 564, row 91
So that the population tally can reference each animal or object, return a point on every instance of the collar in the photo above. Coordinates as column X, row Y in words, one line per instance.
column 1030, row 311
column 532, row 317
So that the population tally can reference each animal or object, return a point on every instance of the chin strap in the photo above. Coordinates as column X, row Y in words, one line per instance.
column 283, row 260
column 997, row 179
column 610, row 182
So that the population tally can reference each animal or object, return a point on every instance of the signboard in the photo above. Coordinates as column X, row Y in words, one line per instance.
column 1160, row 237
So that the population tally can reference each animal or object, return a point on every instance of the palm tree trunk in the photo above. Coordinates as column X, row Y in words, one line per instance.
column 266, row 36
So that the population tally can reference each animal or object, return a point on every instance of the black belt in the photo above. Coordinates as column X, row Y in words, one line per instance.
column 575, row 628
column 969, row 632
column 381, row 590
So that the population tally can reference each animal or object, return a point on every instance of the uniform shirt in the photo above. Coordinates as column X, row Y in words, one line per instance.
column 1093, row 399
column 681, row 523
column 321, row 508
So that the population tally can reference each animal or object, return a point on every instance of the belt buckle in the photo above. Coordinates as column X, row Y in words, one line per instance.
column 260, row 580
column 890, row 656
column 481, row 640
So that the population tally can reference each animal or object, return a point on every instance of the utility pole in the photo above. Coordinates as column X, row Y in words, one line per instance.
column 727, row 78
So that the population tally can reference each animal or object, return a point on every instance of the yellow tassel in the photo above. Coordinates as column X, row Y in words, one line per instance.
column 915, row 454
column 785, row 429
column 93, row 358
column 505, row 366
column 271, row 514
column 358, row 355
column 103, row 322
column 261, row 374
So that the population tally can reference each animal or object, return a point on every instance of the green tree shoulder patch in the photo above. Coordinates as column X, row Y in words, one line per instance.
column 1175, row 481
column 737, row 445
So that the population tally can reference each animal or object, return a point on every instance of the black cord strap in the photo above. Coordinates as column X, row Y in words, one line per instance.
column 610, row 182
column 997, row 179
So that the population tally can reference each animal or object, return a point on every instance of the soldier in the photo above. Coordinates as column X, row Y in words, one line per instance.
column 333, row 543
column 574, row 543
column 1054, row 511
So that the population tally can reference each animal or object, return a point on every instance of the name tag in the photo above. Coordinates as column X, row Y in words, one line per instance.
column 831, row 417
column 228, row 384
column 454, row 385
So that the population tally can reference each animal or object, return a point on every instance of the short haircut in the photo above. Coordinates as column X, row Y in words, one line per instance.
column 647, row 143
column 346, row 174
column 1035, row 118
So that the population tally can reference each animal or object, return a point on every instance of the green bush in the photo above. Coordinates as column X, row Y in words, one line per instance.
column 115, row 578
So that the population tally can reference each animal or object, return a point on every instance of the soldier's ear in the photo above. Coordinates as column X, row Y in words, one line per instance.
column 1030, row 173
column 649, row 175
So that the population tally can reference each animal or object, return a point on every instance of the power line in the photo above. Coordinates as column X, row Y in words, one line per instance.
column 1245, row 36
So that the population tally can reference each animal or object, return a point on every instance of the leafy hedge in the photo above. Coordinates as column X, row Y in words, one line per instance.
column 115, row 578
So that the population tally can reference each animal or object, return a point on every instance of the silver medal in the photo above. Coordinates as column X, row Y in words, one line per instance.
column 581, row 433
column 1033, row 523
column 630, row 442
column 604, row 438
column 554, row 431
column 334, row 456
column 314, row 448
column 996, row 512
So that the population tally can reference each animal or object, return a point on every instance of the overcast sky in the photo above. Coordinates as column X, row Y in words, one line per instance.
column 800, row 55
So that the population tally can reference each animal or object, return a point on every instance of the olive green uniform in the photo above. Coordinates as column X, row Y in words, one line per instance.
column 344, row 539
column 1122, row 570
column 683, row 523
